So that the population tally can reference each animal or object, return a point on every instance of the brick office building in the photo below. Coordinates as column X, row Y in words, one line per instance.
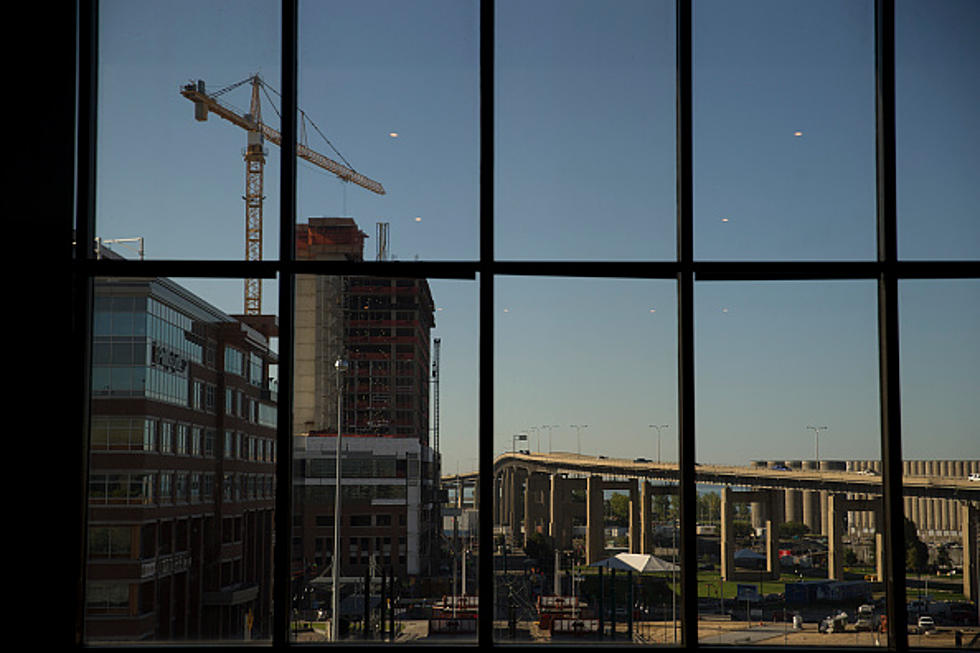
column 181, row 474
column 382, row 327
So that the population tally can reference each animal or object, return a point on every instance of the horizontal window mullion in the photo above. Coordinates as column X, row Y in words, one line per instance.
column 703, row 270
column 170, row 268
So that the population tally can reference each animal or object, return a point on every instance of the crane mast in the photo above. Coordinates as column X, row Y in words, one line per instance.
column 258, row 134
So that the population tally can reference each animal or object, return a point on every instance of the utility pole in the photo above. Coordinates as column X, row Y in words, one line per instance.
column 341, row 366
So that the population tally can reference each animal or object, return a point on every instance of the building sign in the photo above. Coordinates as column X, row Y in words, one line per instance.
column 163, row 356
column 747, row 593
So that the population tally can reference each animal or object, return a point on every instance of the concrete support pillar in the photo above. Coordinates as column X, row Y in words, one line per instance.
column 824, row 503
column 497, row 501
column 811, row 502
column 646, row 517
column 777, row 509
column 635, row 527
column 969, row 515
column 560, row 518
column 758, row 513
column 595, row 545
column 836, row 512
column 774, row 512
column 727, row 534
column 811, row 511
column 536, row 499
column 794, row 506
column 515, row 515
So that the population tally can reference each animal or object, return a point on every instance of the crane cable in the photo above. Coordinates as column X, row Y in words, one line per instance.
column 305, row 119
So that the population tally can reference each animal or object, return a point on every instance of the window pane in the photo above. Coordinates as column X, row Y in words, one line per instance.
column 163, row 175
column 784, row 130
column 584, row 130
column 937, row 86
column 156, row 569
column 391, row 90
column 585, row 430
column 402, row 434
column 788, row 453
column 940, row 358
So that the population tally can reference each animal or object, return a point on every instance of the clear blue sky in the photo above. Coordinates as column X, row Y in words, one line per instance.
column 585, row 170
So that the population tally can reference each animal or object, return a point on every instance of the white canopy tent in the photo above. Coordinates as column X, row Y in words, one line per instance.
column 640, row 562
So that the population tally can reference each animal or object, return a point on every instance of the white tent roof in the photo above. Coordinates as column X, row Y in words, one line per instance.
column 636, row 562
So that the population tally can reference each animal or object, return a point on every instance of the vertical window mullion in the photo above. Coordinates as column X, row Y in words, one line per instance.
column 87, row 18
column 888, row 337
column 486, row 574
column 287, row 222
column 685, row 326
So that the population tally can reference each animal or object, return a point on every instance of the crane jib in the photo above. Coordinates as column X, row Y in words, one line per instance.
column 203, row 104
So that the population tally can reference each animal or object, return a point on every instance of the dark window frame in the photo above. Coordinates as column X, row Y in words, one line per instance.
column 74, row 183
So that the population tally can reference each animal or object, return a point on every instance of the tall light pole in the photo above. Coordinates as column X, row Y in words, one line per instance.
column 535, row 429
column 816, row 432
column 341, row 365
column 549, row 427
column 658, row 427
column 578, row 433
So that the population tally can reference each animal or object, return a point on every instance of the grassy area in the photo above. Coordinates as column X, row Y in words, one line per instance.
column 708, row 583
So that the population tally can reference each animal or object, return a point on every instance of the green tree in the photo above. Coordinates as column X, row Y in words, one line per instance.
column 540, row 547
column 793, row 529
column 663, row 508
column 742, row 529
column 850, row 558
column 619, row 509
column 916, row 551
column 709, row 507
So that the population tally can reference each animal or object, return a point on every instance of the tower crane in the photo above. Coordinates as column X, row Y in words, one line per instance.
column 258, row 133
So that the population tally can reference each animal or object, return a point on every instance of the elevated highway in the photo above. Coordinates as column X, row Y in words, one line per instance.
column 737, row 476
column 534, row 493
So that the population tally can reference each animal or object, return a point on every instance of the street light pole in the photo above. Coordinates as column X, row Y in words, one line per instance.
column 535, row 429
column 341, row 365
column 578, row 433
column 549, row 427
column 816, row 433
column 658, row 427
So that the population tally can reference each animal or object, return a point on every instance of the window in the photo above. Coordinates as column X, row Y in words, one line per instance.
column 611, row 188
column 110, row 541
column 166, row 437
column 234, row 361
column 181, row 440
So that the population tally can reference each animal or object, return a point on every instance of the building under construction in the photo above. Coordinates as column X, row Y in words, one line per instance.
column 382, row 327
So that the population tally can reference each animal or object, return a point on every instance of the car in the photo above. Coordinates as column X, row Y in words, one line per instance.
column 601, row 457
column 642, row 460
column 868, row 472
column 780, row 468
column 974, row 477
column 926, row 624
